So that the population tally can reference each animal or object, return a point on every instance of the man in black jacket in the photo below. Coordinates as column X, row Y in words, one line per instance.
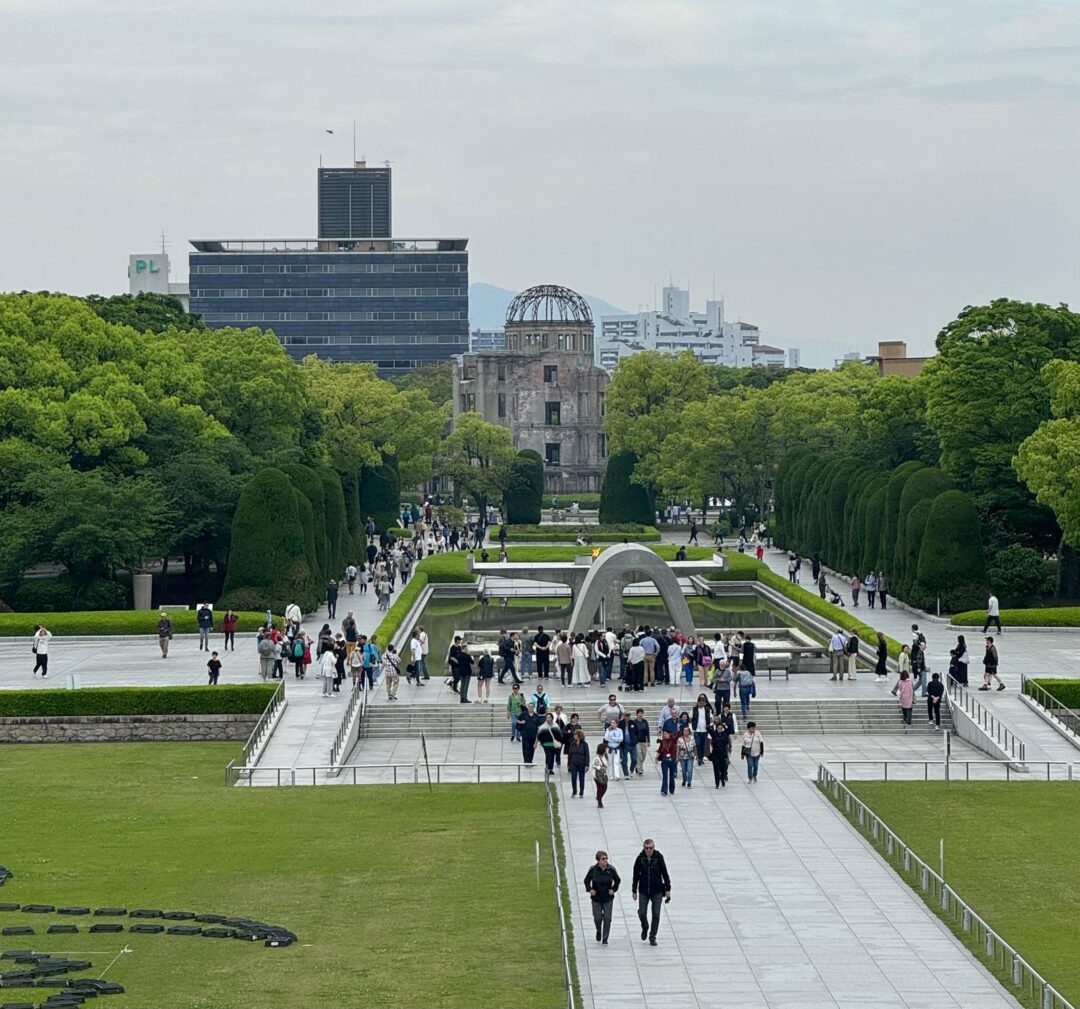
column 651, row 885
column 602, row 882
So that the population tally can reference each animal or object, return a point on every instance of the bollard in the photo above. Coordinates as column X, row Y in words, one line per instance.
column 1017, row 970
column 965, row 920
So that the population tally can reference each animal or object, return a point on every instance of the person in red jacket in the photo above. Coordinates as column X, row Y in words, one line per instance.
column 228, row 627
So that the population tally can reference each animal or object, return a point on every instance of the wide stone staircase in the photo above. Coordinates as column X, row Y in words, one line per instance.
column 807, row 717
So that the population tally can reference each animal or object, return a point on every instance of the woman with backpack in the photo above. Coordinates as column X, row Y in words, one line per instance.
column 746, row 687
column 298, row 649
column 703, row 659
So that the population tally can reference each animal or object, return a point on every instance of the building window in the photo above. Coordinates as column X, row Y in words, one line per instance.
column 552, row 414
column 501, row 372
column 468, row 401
column 551, row 374
column 551, row 453
column 502, row 404
column 603, row 404
column 602, row 445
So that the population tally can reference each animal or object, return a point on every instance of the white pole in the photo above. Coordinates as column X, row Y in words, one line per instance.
column 537, row 865
column 941, row 857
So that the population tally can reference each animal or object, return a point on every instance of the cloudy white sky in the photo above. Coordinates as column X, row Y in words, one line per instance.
column 846, row 171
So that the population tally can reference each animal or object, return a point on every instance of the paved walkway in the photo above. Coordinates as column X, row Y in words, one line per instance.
column 776, row 901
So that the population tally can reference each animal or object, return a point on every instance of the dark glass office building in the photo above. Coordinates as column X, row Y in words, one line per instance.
column 354, row 202
column 397, row 303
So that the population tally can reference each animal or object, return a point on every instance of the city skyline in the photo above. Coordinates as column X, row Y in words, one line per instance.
column 830, row 167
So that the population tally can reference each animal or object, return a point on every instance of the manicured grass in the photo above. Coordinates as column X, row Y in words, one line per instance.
column 399, row 898
column 230, row 699
column 1051, row 616
column 89, row 622
column 1010, row 852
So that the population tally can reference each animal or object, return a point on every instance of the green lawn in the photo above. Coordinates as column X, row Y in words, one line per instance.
column 1010, row 851
column 399, row 898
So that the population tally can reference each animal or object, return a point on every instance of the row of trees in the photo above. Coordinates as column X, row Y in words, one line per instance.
column 995, row 414
column 128, row 432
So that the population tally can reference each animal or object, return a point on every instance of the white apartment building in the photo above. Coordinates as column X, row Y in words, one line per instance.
column 674, row 329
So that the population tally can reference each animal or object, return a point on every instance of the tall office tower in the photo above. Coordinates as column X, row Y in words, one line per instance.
column 354, row 202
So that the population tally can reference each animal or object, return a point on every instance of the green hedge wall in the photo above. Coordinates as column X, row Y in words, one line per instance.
column 621, row 500
column 1051, row 616
column 597, row 534
column 380, row 496
column 306, row 480
column 109, row 622
column 952, row 567
column 1066, row 691
column 229, row 699
column 451, row 567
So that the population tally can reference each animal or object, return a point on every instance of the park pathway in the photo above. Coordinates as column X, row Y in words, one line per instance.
column 776, row 902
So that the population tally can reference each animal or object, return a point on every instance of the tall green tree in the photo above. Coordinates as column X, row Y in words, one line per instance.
column 477, row 457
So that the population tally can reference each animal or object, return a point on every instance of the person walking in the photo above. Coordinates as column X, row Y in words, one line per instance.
column 906, row 694
column 720, row 750
column 327, row 671
column 934, row 693
column 425, row 648
column 753, row 749
column 990, row 666
column 164, row 633
column 515, row 705
column 542, row 645
column 485, row 673
column 581, row 662
column 822, row 584
column 213, row 669
column 651, row 647
column 855, row 586
column 993, row 614
column 651, row 885
column 331, row 598
column 639, row 727
column 550, row 738
column 881, row 669
column 599, row 772
column 613, row 736
column 870, row 584
column 959, row 658
column 416, row 657
column 350, row 577
column 903, row 664
column 745, row 683
column 465, row 668
column 701, row 716
column 602, row 882
column 265, row 648
column 228, row 628
column 528, row 728
column 882, row 588
column 577, row 760
column 391, row 670
column 39, row 645
column 204, row 618
column 564, row 656
column 791, row 568
column 721, row 681
column 685, row 750
column 665, row 754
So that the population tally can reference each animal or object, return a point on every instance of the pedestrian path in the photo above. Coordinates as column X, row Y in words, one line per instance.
column 307, row 729
column 776, row 902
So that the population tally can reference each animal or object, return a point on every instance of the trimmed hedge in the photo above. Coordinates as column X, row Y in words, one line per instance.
column 102, row 622
column 589, row 500
column 380, row 496
column 1065, row 691
column 742, row 567
column 308, row 482
column 597, row 534
column 1051, row 616
column 952, row 566
column 620, row 499
column 665, row 551
column 231, row 699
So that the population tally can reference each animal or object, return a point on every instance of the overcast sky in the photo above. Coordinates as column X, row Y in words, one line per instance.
column 846, row 171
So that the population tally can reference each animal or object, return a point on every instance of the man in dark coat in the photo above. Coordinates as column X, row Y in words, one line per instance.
column 651, row 886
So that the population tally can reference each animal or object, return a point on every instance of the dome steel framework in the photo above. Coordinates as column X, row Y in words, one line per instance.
column 548, row 303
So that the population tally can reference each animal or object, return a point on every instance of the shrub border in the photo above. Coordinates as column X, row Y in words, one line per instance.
column 229, row 699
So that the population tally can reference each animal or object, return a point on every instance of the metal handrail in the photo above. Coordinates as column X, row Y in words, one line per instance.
column 568, row 975
column 961, row 694
column 950, row 768
column 943, row 898
column 1053, row 707
column 265, row 718
column 358, row 696
column 410, row 773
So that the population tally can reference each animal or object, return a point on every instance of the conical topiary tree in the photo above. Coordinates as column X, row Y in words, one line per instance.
column 268, row 560
column 952, row 566
column 923, row 484
column 621, row 500
column 891, row 514
column 380, row 495
column 525, row 493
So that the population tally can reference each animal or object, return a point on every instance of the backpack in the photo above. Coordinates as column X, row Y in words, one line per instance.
column 298, row 649
column 746, row 678
column 600, row 775
column 266, row 648
column 852, row 646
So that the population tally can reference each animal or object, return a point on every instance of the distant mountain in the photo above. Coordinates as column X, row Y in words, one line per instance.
column 488, row 304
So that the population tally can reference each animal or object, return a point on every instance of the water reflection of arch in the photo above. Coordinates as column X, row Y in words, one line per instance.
column 614, row 567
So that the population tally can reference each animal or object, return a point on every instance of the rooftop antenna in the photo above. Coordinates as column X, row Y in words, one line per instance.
column 163, row 241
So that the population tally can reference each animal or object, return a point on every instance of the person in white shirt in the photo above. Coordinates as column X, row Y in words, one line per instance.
column 424, row 647
column 993, row 614
column 836, row 654
column 328, row 670
column 293, row 614
column 40, row 647
column 613, row 738
column 416, row 657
